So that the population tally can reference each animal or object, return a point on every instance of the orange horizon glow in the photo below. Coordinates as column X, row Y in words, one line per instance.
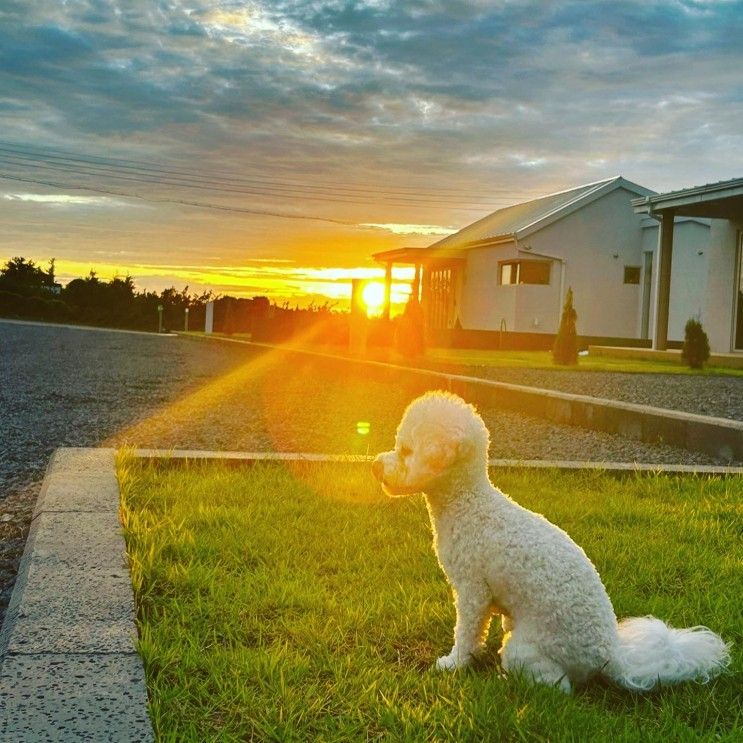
column 279, row 280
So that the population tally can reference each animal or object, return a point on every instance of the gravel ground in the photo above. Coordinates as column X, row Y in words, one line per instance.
column 713, row 395
column 80, row 387
column 76, row 387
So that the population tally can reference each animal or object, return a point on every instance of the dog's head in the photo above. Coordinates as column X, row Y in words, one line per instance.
column 439, row 434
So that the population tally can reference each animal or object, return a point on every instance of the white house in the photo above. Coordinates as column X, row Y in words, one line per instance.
column 715, row 282
column 509, row 271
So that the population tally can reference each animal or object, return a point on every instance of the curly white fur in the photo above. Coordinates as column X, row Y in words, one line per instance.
column 502, row 559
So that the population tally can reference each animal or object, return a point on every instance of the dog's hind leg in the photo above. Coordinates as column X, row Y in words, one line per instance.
column 474, row 612
column 520, row 656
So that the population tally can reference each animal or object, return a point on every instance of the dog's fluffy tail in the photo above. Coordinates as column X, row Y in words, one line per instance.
column 649, row 652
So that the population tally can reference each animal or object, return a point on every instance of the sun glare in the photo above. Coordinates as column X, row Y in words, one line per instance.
column 373, row 298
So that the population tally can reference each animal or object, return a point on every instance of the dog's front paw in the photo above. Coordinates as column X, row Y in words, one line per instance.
column 451, row 662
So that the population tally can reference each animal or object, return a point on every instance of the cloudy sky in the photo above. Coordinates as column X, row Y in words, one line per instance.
column 271, row 147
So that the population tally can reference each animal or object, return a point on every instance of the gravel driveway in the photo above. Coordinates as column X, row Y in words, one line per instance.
column 64, row 386
column 719, row 396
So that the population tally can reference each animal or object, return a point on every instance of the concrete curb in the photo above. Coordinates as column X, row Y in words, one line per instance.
column 718, row 437
column 238, row 458
column 70, row 670
column 70, row 326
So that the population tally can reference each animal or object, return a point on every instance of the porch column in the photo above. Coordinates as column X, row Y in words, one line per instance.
column 415, row 289
column 426, row 295
column 663, row 291
column 387, row 290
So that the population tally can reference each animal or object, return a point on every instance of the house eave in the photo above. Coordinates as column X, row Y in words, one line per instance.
column 689, row 198
column 602, row 188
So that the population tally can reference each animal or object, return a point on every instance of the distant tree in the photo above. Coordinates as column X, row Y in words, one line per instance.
column 22, row 276
column 261, row 305
column 565, row 349
column 695, row 350
column 87, row 296
column 10, row 304
column 229, row 320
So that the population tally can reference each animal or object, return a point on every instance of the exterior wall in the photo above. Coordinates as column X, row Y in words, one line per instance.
column 589, row 239
column 538, row 307
column 720, row 295
column 483, row 303
column 689, row 270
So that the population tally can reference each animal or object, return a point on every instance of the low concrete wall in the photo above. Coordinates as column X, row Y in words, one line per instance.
column 719, row 437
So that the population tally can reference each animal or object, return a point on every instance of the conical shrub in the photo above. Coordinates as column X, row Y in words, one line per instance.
column 565, row 349
column 695, row 350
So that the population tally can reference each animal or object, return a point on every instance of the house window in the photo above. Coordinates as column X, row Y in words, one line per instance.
column 525, row 272
column 632, row 274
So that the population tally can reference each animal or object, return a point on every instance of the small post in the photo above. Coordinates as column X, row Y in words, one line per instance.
column 387, row 290
column 159, row 318
column 209, row 319
column 185, row 322
column 358, row 322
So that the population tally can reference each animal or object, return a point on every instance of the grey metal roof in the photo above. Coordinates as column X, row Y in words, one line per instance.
column 521, row 219
column 721, row 200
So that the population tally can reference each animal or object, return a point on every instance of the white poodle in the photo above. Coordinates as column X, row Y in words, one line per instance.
column 500, row 558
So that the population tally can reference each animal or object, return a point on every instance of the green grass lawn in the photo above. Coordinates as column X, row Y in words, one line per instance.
column 464, row 357
column 299, row 604
column 543, row 360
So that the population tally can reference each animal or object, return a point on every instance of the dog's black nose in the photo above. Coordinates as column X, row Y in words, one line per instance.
column 378, row 469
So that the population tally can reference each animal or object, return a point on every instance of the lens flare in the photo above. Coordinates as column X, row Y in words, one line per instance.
column 373, row 298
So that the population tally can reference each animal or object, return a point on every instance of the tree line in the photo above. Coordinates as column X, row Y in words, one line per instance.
column 30, row 291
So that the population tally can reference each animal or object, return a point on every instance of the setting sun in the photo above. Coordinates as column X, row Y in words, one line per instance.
column 373, row 298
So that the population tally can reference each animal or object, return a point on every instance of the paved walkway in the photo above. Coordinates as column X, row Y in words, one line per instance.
column 70, row 670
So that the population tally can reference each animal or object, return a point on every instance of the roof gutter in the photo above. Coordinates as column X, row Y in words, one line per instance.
column 645, row 206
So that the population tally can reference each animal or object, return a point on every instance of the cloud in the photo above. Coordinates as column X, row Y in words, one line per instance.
column 481, row 102
column 64, row 200
column 413, row 229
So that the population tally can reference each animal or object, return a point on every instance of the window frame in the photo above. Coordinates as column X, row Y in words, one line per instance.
column 516, row 265
column 636, row 271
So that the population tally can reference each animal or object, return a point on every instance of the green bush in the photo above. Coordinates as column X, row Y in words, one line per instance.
column 57, row 310
column 695, row 350
column 10, row 303
column 565, row 349
column 33, row 308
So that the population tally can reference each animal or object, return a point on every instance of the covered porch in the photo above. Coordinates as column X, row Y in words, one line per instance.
column 401, row 257
column 717, row 201
column 434, row 281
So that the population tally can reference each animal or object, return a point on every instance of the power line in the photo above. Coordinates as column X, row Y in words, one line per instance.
column 144, row 167
column 183, row 202
column 108, row 167
column 105, row 171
